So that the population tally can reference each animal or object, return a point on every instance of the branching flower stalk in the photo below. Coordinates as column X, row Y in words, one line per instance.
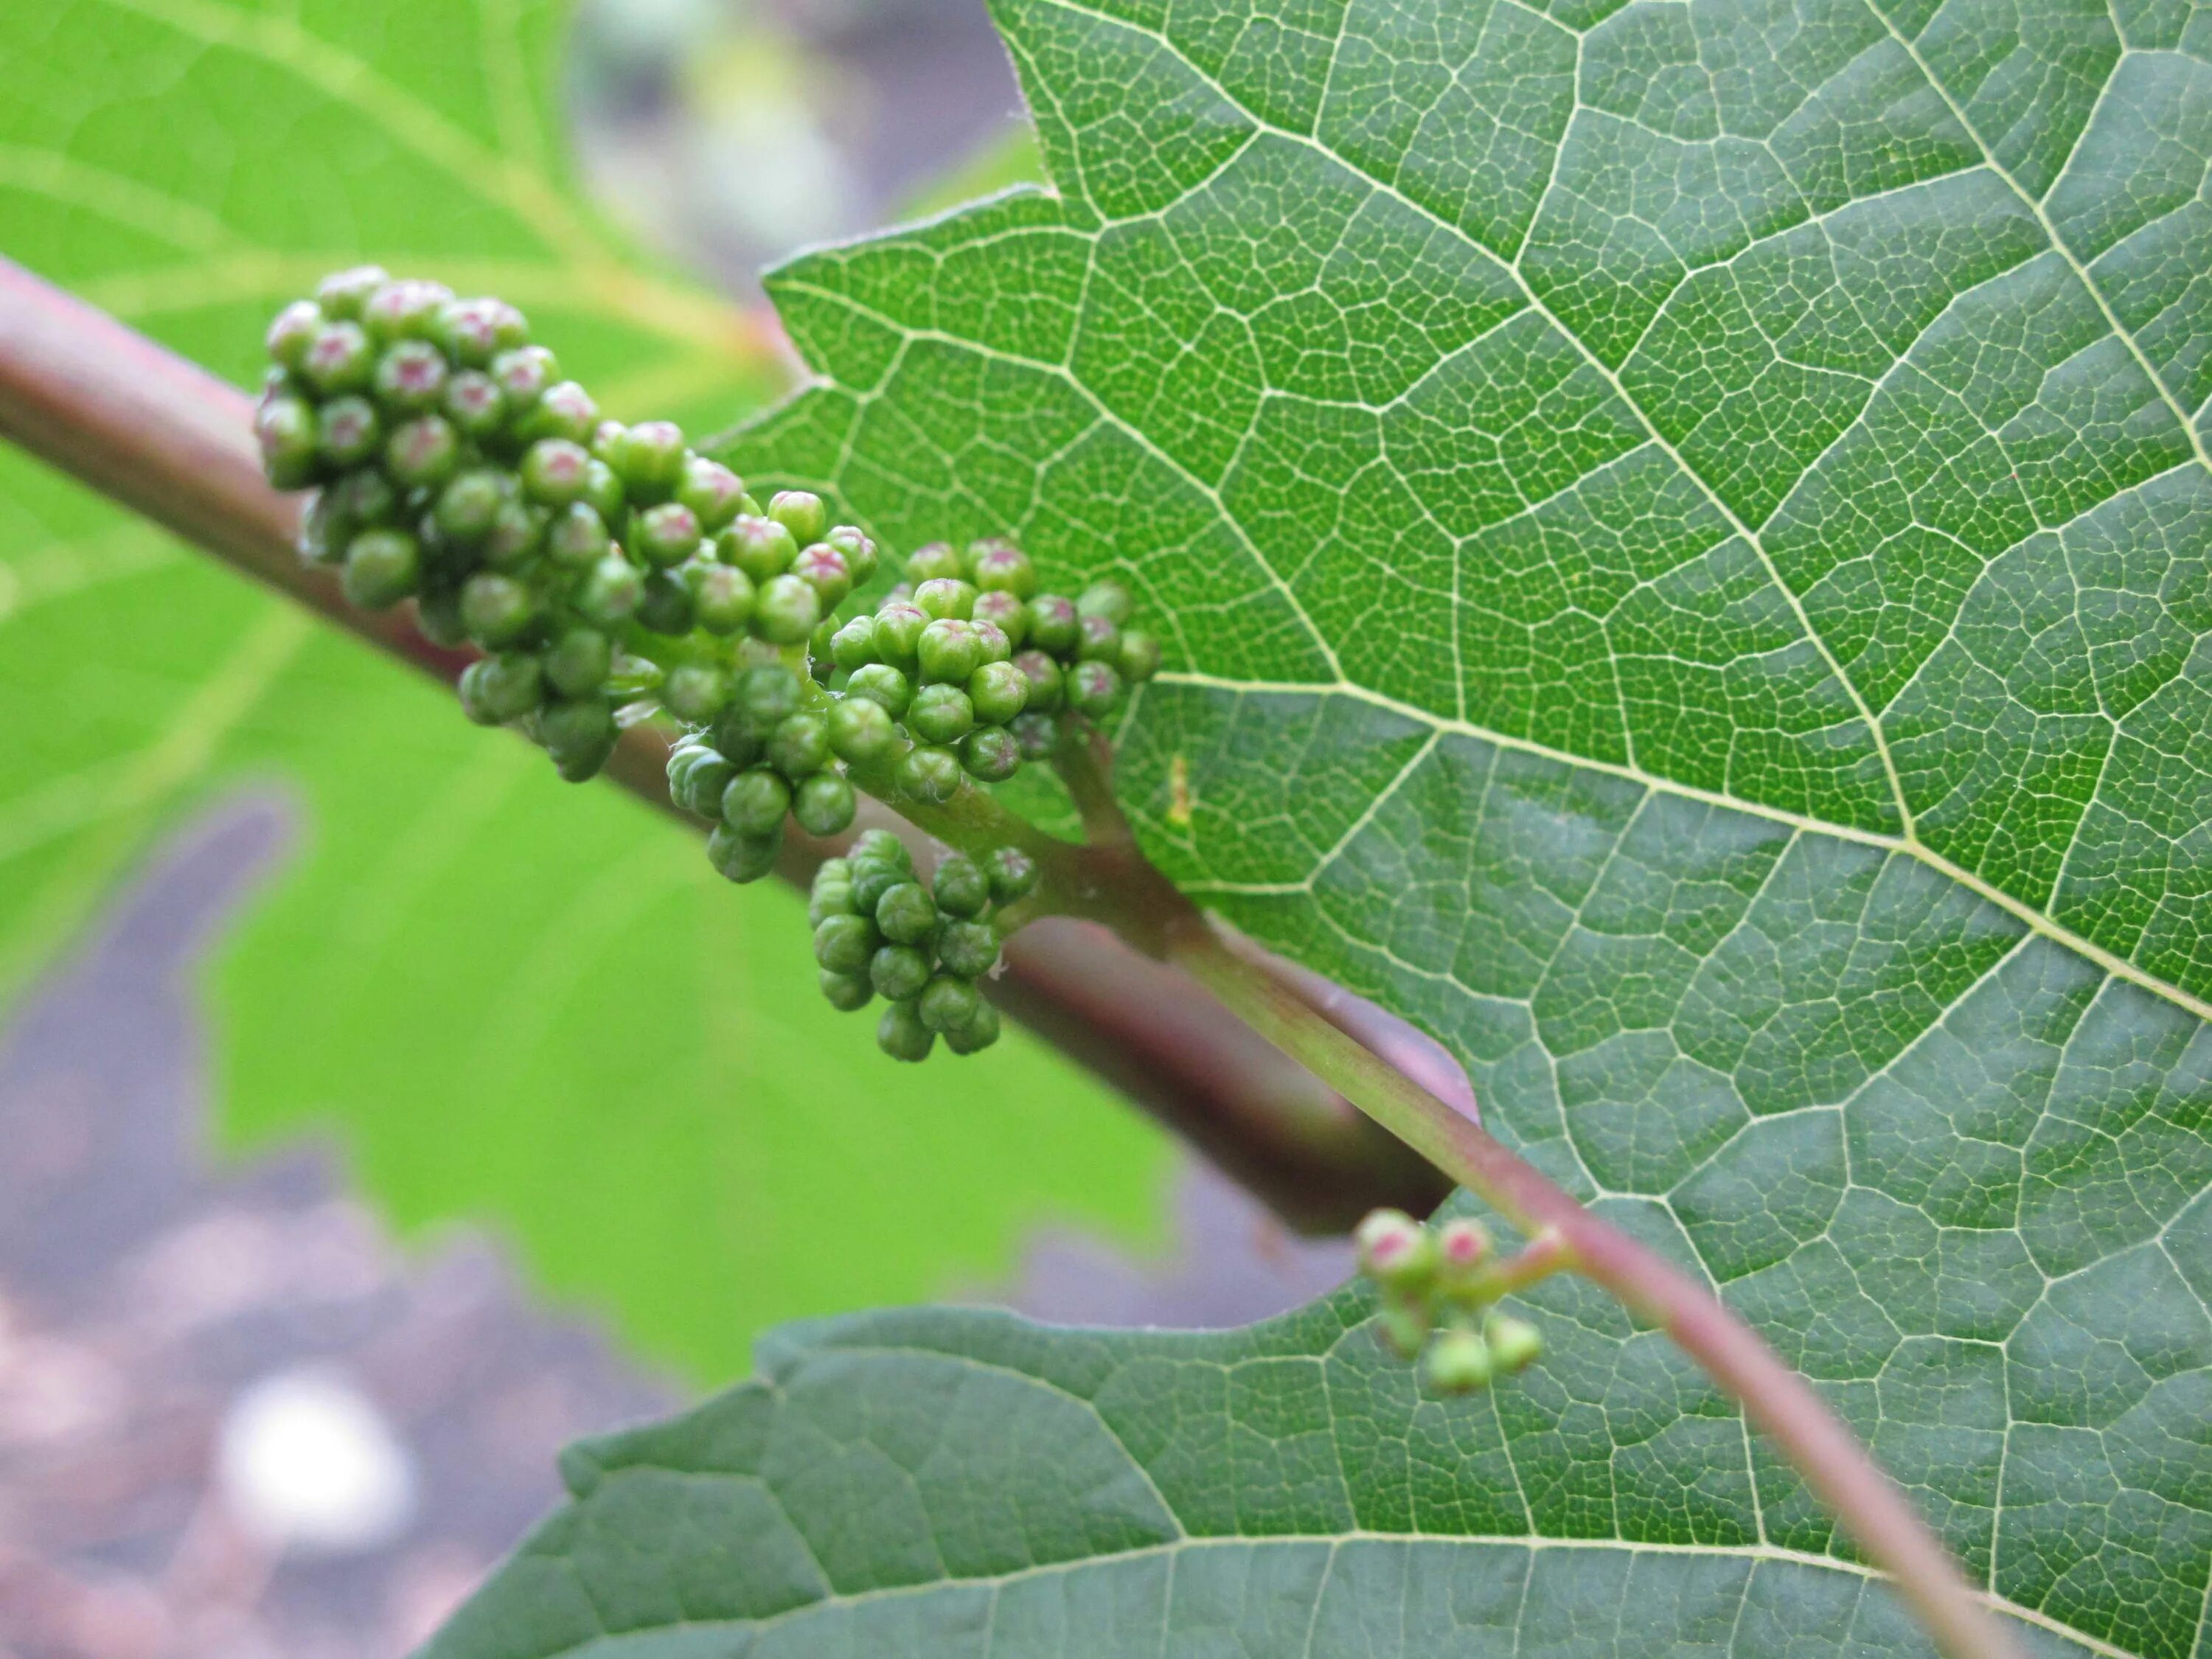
column 1106, row 879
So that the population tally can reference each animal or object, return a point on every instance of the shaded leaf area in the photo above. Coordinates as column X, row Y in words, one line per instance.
column 969, row 1483
column 1684, row 529
column 518, row 1001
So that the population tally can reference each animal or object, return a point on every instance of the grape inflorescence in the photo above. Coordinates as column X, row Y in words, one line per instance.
column 604, row 569
column 1439, row 1288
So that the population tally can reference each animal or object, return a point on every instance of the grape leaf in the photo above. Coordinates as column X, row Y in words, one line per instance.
column 1684, row 533
column 518, row 1002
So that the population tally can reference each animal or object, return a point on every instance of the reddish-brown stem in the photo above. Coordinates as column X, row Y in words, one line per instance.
column 158, row 432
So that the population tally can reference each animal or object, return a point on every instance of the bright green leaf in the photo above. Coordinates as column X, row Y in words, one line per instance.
column 519, row 1002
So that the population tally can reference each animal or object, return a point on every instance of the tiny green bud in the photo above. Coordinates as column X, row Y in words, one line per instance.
column 899, row 627
column 948, row 653
column 695, row 692
column 930, row 774
column 899, row 972
column 471, row 331
column 981, row 1031
column 712, row 491
column 1043, row 674
column 879, row 846
column 404, row 310
column 699, row 789
column 946, row 598
column 342, row 293
column 785, row 610
column 497, row 610
column 872, row 881
column 940, row 713
column 859, row 550
column 761, row 548
column 990, row 754
column 348, row 431
column 1458, row 1361
column 853, row 646
column 902, row 1035
column 664, row 606
column 382, row 567
column 832, row 893
column 1462, row 1246
column 579, row 735
column 970, row 949
column 1009, row 615
column 1402, row 1329
column 722, row 597
column 824, row 805
column 1000, row 566
column 847, row 992
column 468, row 504
column 1098, row 640
column 996, row 646
column 507, row 687
column 1396, row 1251
column 822, row 568
column 755, row 802
column 960, row 888
column 998, row 691
column 410, row 378
column 1108, row 601
column 1093, row 689
column 340, row 359
column 474, row 404
column 742, row 858
column 844, row 944
column 524, row 374
column 664, row 536
column 907, row 915
column 563, row 410
column 363, row 498
column 938, row 561
column 801, row 513
column 798, row 747
column 1055, row 627
column 610, row 593
column 1035, row 735
column 1515, row 1344
column 577, row 537
column 293, row 332
column 438, row 618
column 552, row 472
column 649, row 458
column 860, row 731
column 1139, row 657
column 604, row 491
column 578, row 663
column 423, row 453
column 767, row 695
column 1013, row 874
column 517, row 535
column 285, row 428
column 948, row 1003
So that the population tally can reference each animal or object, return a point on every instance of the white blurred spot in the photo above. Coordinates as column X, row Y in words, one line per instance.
column 308, row 1463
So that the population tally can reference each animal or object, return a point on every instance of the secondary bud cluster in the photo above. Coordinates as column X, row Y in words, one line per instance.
column 881, row 931
column 1437, row 1289
column 600, row 566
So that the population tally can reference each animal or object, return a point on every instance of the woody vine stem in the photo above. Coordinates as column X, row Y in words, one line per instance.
column 84, row 393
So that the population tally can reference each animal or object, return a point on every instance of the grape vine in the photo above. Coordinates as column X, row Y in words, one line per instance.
column 609, row 572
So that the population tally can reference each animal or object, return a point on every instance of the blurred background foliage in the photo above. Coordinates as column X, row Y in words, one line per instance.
column 514, row 1002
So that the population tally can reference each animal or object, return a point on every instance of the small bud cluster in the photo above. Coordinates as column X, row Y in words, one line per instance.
column 879, row 930
column 598, row 565
column 980, row 668
column 1437, row 1292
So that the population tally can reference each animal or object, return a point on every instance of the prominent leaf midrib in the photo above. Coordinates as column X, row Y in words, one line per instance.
column 2018, row 909
column 1170, row 1549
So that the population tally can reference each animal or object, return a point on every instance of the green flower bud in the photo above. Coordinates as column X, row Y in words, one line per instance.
column 363, row 498
column 1404, row 1331
column 382, row 567
column 1009, row 615
column 978, row 1034
column 1093, row 689
column 422, row 454
column 743, row 857
column 664, row 536
column 940, row 713
column 761, row 548
column 1139, row 657
column 609, row 595
column 798, row 747
column 552, row 472
column 1035, row 735
column 879, row 846
column 1098, row 640
column 293, row 332
column 844, row 944
column 517, row 536
column 907, row 915
column 767, row 695
column 564, row 410
column 1396, row 1251
column 755, row 802
column 348, row 431
column 695, row 692
column 824, row 805
column 342, row 293
column 822, row 568
column 832, row 893
column 997, row 648
column 722, row 597
column 847, row 992
column 472, row 331
column 1458, row 1361
column 340, row 359
column 902, row 1035
column 853, row 646
column 1000, row 566
column 1043, row 687
column 871, row 882
column 970, row 949
column 1515, row 1344
column 497, row 610
column 322, row 536
column 604, row 491
column 819, row 668
column 948, row 653
column 438, row 618
column 404, row 310
column 468, row 504
column 860, row 731
column 859, row 551
column 523, row 376
column 578, row 662
column 410, row 378
column 1013, row 874
column 801, row 513
column 948, row 1003
column 899, row 973
column 1055, row 627
column 785, row 610
column 1108, row 601
column 946, row 599
column 998, row 691
column 506, row 687
column 664, row 605
column 649, row 459
column 1462, row 1247
column 938, row 561
column 930, row 774
column 474, row 404
column 899, row 627
column 712, row 491
column 700, row 787
column 577, row 537
column 285, row 428
column 990, row 754
column 579, row 735
column 960, row 888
